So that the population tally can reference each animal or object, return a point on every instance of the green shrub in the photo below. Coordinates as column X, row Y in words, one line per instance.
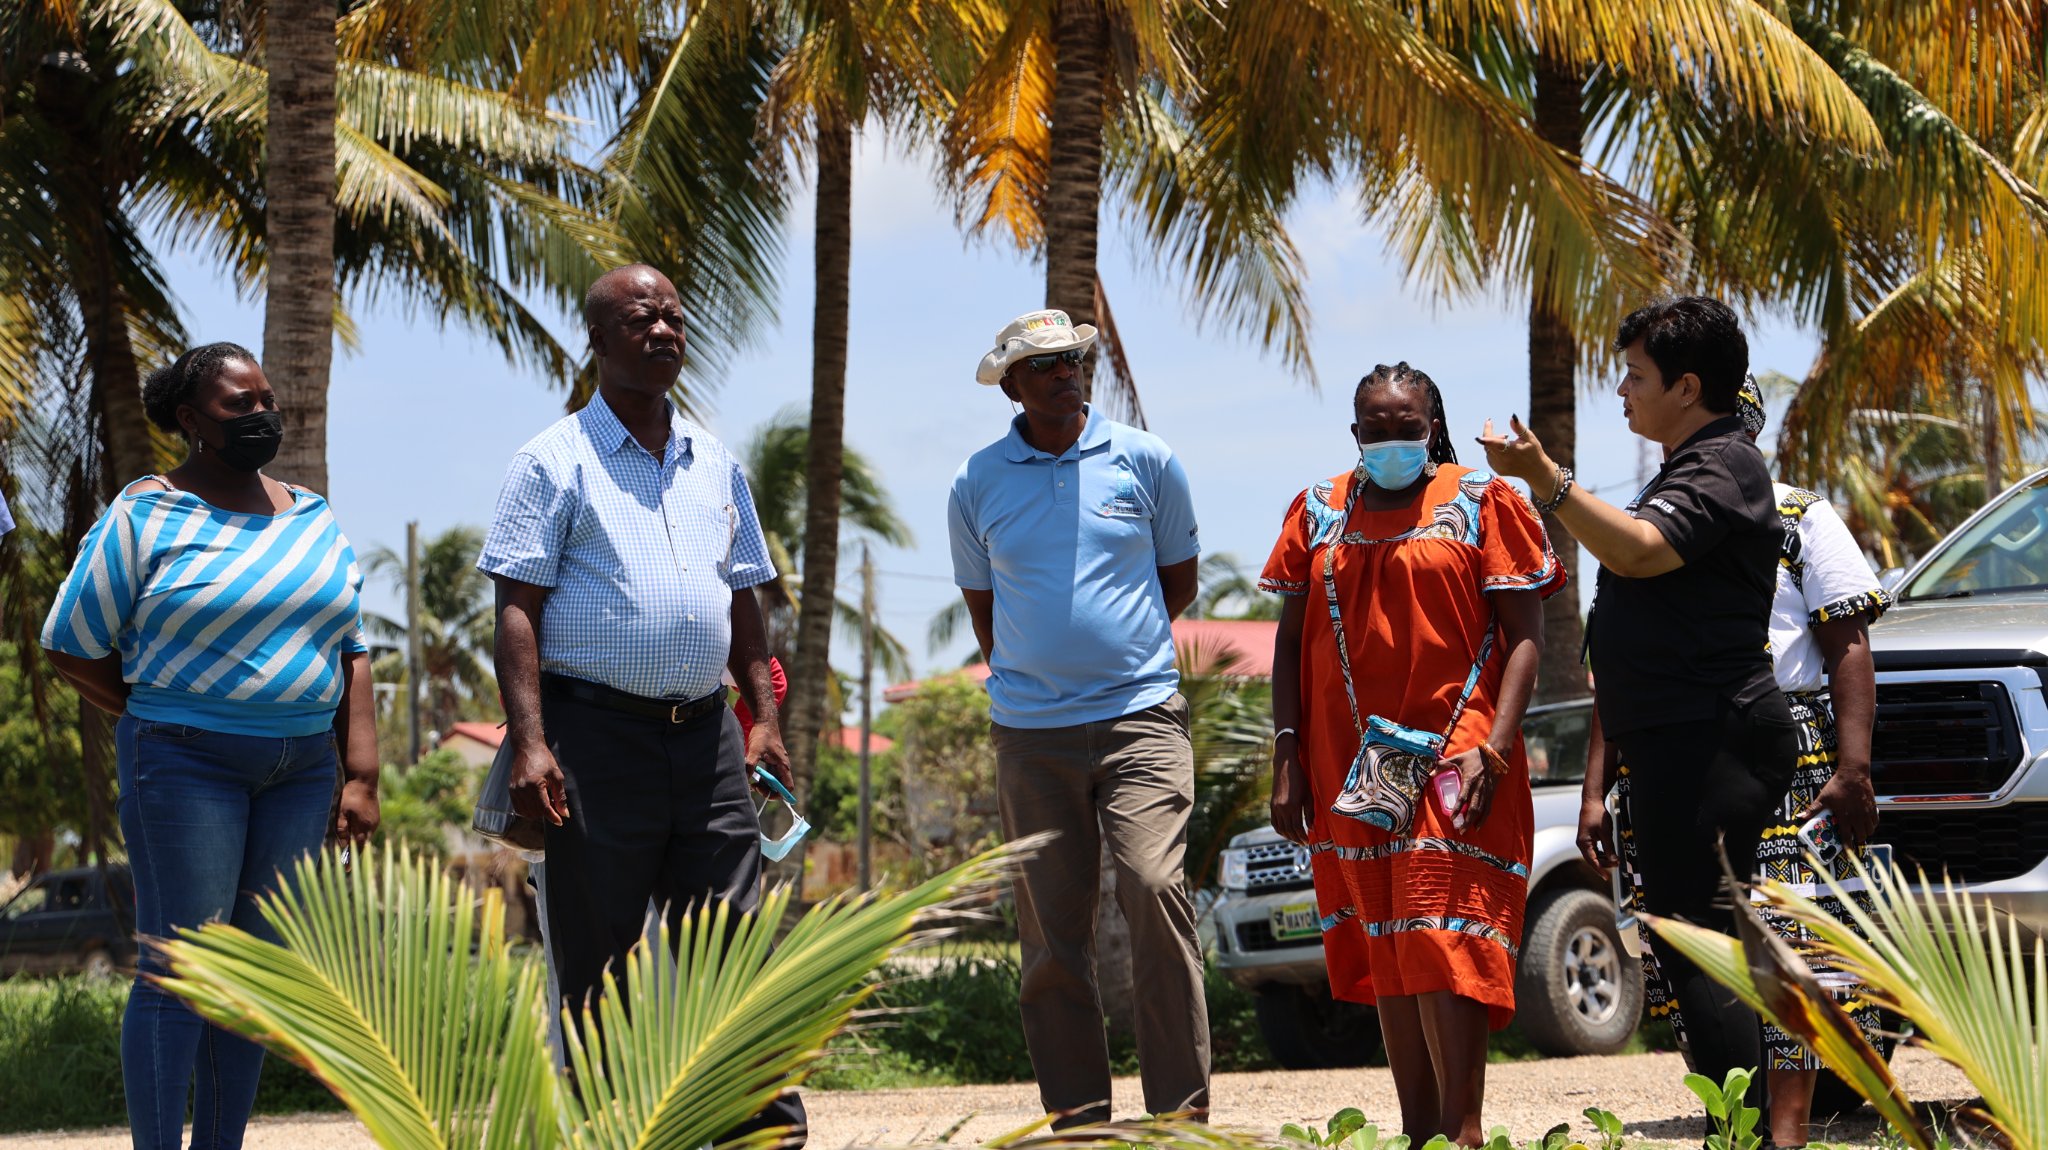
column 959, row 1024
column 60, row 1059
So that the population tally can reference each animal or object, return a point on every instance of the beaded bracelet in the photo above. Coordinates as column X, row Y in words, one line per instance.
column 1564, row 488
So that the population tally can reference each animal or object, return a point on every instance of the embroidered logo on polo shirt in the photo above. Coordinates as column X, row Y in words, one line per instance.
column 1664, row 506
column 1123, row 494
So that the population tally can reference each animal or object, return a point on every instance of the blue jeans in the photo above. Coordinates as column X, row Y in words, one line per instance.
column 210, row 820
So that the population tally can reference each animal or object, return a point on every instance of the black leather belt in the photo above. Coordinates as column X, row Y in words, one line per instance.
column 612, row 699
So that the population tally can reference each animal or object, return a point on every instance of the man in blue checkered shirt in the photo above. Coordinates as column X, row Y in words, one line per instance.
column 625, row 550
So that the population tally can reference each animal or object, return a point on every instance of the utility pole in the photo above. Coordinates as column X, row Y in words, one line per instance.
column 412, row 632
column 867, row 708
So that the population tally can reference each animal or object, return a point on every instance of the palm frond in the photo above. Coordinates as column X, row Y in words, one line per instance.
column 374, row 990
column 396, row 987
column 405, row 109
column 694, row 188
column 1739, row 53
column 1220, row 228
column 998, row 146
column 1770, row 978
column 689, row 1046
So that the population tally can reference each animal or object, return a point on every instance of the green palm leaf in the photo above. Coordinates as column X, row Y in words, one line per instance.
column 375, row 992
column 395, row 986
column 1952, row 965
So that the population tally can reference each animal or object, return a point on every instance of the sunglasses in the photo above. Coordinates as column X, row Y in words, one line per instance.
column 1045, row 363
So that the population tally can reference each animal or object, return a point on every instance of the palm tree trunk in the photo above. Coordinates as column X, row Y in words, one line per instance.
column 825, row 461
column 1073, row 194
column 126, row 453
column 1073, row 214
column 298, row 182
column 1554, row 398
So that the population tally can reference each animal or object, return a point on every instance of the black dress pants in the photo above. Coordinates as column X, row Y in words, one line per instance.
column 658, row 811
column 1695, row 789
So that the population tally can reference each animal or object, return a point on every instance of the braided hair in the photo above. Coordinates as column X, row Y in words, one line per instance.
column 1401, row 375
column 171, row 386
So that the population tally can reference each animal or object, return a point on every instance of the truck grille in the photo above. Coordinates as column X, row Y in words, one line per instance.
column 1258, row 935
column 1975, row 846
column 1276, row 866
column 1943, row 738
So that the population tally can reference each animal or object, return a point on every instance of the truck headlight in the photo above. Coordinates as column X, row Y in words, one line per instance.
column 1236, row 869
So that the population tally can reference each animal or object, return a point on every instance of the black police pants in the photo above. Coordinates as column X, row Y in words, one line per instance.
column 658, row 811
column 1696, row 789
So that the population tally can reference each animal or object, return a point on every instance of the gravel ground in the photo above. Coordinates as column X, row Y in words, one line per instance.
column 1527, row 1097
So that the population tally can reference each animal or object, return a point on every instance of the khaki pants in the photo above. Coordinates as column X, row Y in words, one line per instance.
column 1131, row 779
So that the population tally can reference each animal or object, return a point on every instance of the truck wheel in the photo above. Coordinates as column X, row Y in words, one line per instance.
column 97, row 964
column 1576, row 991
column 1308, row 1030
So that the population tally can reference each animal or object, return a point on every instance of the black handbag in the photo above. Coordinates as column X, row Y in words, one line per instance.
column 495, row 819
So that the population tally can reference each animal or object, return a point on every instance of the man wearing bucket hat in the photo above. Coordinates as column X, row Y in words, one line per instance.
column 1074, row 544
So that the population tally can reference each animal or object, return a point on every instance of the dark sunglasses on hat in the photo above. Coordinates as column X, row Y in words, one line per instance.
column 1045, row 363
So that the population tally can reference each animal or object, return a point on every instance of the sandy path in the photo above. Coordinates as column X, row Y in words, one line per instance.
column 1527, row 1097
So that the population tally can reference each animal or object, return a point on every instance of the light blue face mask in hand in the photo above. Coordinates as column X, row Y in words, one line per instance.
column 1394, row 464
column 775, row 850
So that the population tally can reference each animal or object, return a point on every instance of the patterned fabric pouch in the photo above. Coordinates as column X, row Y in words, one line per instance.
column 1386, row 780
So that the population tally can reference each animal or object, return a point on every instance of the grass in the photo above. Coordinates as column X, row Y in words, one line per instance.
column 60, row 1059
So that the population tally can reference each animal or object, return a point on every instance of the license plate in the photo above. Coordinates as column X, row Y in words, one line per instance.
column 1297, row 920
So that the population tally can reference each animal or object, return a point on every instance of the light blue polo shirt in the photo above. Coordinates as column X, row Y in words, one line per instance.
column 1072, row 549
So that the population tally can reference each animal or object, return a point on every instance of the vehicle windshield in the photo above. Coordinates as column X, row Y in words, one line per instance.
column 1556, row 739
column 2006, row 551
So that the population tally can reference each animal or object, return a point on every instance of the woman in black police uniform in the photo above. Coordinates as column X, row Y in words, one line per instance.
column 1679, row 638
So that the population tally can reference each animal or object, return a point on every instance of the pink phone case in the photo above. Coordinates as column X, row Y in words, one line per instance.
column 1448, row 786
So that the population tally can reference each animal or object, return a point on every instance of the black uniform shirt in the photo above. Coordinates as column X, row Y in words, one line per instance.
column 1669, row 648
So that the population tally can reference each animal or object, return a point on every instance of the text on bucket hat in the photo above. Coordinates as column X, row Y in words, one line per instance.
column 1033, row 333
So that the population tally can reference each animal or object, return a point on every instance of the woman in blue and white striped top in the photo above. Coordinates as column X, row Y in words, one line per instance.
column 217, row 612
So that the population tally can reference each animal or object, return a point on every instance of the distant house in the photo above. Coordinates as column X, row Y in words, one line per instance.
column 1238, row 648
column 477, row 743
column 848, row 739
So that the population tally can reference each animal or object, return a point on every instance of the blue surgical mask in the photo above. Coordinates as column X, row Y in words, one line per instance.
column 1394, row 464
column 776, row 849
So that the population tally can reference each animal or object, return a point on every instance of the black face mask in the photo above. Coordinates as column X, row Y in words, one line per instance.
column 248, row 441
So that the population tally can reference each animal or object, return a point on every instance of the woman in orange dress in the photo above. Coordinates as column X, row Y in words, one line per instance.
column 1411, row 629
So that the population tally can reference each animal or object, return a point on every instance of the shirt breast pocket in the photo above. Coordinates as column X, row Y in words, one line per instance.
column 715, row 527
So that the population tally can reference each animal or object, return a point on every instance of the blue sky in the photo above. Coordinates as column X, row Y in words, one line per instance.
column 423, row 419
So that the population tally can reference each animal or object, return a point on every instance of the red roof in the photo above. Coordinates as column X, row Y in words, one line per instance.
column 489, row 734
column 848, row 739
column 1239, row 648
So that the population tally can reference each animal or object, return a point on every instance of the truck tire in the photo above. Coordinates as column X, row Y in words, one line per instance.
column 1577, row 991
column 1308, row 1030
column 97, row 963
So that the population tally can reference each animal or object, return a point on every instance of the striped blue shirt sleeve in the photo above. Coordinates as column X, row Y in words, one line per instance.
column 354, row 642
column 750, row 566
column 1175, row 537
column 530, row 526
column 98, row 597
